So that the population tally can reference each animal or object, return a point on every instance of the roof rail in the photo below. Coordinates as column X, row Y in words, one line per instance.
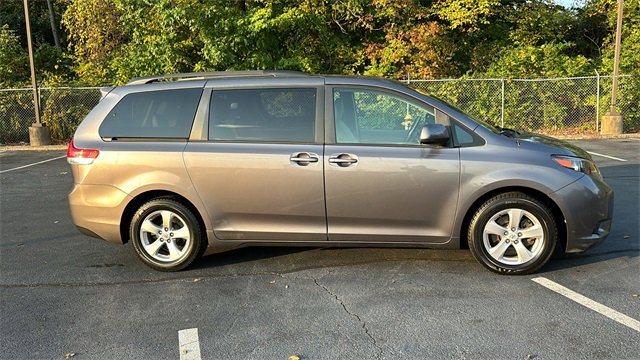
column 213, row 74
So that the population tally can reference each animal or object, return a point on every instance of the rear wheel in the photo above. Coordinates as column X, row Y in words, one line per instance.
column 512, row 233
column 166, row 235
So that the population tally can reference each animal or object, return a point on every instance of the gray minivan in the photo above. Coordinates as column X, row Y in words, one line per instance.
column 187, row 164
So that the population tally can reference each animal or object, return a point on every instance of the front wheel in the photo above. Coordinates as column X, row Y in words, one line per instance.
column 512, row 233
column 166, row 235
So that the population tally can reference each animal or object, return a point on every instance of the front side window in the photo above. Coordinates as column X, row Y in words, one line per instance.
column 375, row 117
column 152, row 114
column 263, row 115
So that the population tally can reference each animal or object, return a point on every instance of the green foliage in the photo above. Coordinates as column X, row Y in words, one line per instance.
column 607, row 10
column 13, row 46
column 529, row 105
column 107, row 42
column 64, row 108
column 418, row 50
column 403, row 37
column 480, row 99
column 538, row 22
column 13, row 59
column 51, row 61
column 16, row 115
column 112, row 41
column 12, row 15
column 546, row 60
column 162, row 38
column 381, row 111
column 95, row 37
column 465, row 14
column 278, row 35
column 629, row 92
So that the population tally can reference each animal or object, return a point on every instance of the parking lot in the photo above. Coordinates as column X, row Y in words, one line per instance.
column 63, row 292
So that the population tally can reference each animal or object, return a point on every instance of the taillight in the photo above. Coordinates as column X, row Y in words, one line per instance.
column 77, row 156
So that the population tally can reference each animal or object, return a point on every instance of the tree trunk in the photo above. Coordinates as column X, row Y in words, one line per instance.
column 53, row 25
column 242, row 5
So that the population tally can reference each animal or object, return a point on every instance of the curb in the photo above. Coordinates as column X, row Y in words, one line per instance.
column 597, row 137
column 26, row 147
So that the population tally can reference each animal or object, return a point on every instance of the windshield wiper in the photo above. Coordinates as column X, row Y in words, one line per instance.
column 509, row 132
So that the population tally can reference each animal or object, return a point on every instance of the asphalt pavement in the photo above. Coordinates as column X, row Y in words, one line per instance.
column 62, row 292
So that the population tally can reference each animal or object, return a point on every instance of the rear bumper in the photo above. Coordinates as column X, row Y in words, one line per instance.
column 587, row 205
column 96, row 210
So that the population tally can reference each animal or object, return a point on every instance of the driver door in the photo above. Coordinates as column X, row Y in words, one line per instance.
column 381, row 183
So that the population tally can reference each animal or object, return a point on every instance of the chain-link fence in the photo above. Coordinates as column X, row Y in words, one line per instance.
column 62, row 111
column 555, row 106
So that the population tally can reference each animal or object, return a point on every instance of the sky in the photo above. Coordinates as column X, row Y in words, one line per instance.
column 568, row 3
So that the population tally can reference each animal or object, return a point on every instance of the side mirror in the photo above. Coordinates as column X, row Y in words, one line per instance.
column 434, row 134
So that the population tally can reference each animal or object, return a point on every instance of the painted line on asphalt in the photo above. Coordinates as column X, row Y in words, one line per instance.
column 606, row 156
column 586, row 302
column 36, row 163
column 189, row 344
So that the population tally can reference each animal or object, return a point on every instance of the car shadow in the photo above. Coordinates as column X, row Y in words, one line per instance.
column 246, row 255
column 589, row 257
column 291, row 259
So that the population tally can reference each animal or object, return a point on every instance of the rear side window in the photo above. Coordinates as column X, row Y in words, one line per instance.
column 153, row 114
column 263, row 115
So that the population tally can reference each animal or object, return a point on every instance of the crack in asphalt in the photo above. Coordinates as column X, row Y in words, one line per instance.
column 352, row 314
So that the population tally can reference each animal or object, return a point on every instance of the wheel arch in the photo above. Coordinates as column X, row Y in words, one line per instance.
column 140, row 199
column 539, row 195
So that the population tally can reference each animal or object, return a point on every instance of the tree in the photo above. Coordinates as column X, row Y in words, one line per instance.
column 48, row 58
column 630, row 41
column 13, row 59
column 95, row 38
column 546, row 60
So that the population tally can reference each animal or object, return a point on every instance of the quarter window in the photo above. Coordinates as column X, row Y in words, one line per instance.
column 263, row 115
column 152, row 114
column 463, row 137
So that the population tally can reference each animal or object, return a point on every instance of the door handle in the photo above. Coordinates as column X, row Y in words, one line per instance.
column 303, row 158
column 343, row 160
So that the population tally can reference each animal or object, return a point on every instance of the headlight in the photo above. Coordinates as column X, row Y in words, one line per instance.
column 577, row 164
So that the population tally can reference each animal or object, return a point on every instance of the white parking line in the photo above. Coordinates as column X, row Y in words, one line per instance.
column 593, row 305
column 36, row 163
column 189, row 344
column 606, row 156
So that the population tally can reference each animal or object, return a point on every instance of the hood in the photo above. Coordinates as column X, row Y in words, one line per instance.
column 555, row 143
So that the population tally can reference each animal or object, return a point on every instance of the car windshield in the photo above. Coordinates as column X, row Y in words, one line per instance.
column 482, row 123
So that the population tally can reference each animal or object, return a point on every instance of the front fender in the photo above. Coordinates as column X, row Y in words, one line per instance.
column 480, row 175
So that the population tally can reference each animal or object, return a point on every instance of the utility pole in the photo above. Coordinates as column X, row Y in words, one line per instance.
column 612, row 121
column 39, row 134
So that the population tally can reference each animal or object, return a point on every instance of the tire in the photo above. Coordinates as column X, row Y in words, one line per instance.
column 166, row 235
column 512, row 233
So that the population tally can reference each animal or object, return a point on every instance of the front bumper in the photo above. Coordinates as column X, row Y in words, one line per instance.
column 587, row 206
column 96, row 210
